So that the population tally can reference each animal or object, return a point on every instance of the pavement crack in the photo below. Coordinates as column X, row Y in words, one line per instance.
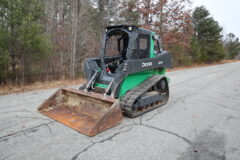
column 169, row 132
column 229, row 97
column 24, row 133
column 25, row 130
column 193, row 78
column 159, row 129
column 220, row 105
column 128, row 125
column 154, row 115
column 183, row 82
column 32, row 118
column 15, row 111
column 6, row 157
column 101, row 141
column 49, row 129
column 223, row 106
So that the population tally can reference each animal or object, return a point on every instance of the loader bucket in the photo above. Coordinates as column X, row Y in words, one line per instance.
column 88, row 113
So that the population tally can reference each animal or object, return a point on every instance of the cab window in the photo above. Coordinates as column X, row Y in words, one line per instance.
column 156, row 46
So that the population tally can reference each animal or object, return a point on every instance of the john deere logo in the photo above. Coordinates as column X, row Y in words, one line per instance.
column 160, row 62
column 148, row 64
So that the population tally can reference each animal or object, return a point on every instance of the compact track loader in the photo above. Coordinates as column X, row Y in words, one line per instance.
column 128, row 78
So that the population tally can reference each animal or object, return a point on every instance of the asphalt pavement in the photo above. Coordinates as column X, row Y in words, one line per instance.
column 200, row 121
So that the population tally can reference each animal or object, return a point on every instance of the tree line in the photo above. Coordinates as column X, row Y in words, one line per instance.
column 49, row 39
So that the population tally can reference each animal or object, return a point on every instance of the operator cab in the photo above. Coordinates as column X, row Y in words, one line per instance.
column 116, row 46
column 128, row 42
column 121, row 45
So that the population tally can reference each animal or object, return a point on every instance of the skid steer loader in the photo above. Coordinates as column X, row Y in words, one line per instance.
column 127, row 79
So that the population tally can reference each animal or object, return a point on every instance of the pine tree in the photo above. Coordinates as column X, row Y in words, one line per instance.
column 23, row 39
column 207, row 35
column 232, row 45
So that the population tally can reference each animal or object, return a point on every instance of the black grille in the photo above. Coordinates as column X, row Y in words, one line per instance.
column 112, row 48
column 142, row 49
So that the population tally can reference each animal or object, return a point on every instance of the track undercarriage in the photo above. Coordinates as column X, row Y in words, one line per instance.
column 150, row 95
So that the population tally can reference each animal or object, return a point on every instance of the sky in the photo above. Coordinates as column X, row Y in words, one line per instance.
column 226, row 12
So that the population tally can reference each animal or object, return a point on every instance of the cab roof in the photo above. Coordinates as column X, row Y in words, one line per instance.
column 126, row 27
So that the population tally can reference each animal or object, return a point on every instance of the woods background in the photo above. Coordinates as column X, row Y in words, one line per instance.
column 42, row 40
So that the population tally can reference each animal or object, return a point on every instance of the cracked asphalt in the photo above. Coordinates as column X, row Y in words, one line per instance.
column 200, row 121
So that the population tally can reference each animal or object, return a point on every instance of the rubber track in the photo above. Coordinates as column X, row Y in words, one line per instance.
column 130, row 97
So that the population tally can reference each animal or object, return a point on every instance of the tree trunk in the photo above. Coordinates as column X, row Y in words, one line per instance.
column 75, row 5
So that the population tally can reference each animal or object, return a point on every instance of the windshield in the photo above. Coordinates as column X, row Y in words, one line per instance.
column 116, row 43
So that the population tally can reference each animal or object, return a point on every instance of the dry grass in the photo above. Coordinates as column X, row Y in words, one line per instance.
column 202, row 65
column 9, row 89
